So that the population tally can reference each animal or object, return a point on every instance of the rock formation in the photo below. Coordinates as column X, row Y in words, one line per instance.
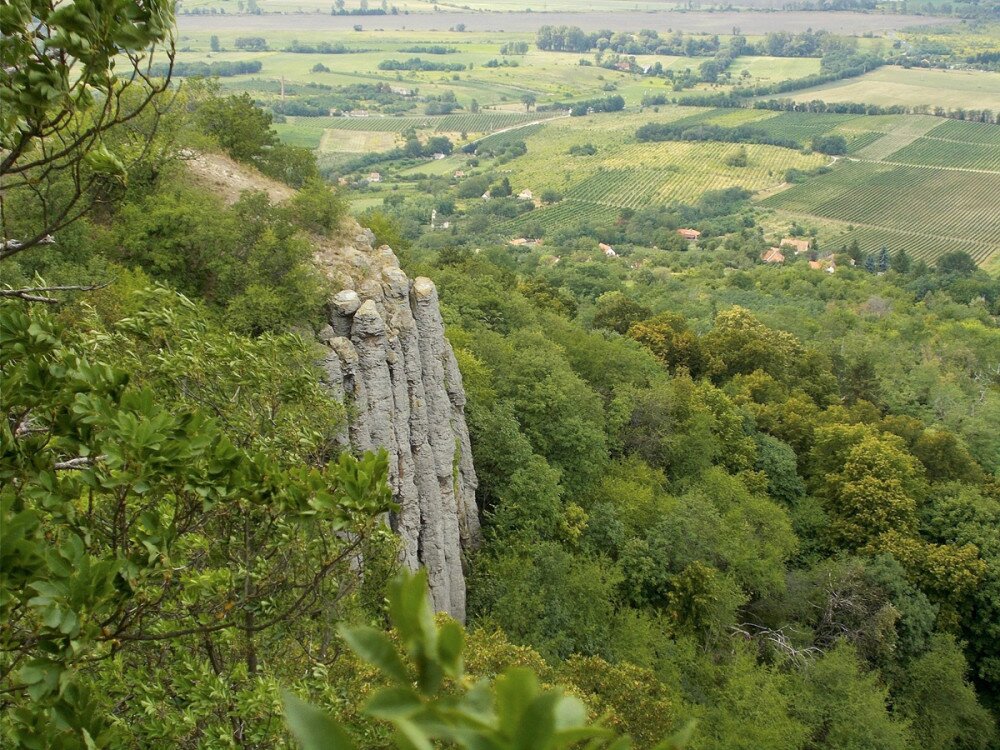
column 391, row 364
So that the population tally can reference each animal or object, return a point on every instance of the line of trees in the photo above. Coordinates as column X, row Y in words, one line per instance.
column 323, row 48
column 415, row 63
column 668, row 131
column 221, row 69
column 649, row 42
column 429, row 49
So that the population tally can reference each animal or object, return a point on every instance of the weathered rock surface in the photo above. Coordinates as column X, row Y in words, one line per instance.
column 391, row 364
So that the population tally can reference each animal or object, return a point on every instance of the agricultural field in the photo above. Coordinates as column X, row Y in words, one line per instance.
column 315, row 16
column 565, row 213
column 765, row 69
column 934, row 152
column 905, row 132
column 627, row 173
column 893, row 162
column 916, row 87
column 927, row 210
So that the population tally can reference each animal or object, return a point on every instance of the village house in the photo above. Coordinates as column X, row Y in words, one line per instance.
column 826, row 264
column 799, row 246
column 374, row 177
column 487, row 196
column 688, row 233
column 438, row 156
column 772, row 255
column 525, row 195
column 459, row 174
column 607, row 250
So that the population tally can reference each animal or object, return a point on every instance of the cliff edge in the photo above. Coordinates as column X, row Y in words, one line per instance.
column 389, row 362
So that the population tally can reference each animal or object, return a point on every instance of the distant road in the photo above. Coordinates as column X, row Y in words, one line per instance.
column 722, row 22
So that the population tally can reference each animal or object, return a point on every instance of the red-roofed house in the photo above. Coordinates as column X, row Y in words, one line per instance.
column 799, row 246
column 772, row 255
column 689, row 234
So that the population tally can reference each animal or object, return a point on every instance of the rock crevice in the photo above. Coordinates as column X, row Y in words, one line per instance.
column 390, row 363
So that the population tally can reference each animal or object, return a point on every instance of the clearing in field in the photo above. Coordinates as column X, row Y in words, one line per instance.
column 916, row 87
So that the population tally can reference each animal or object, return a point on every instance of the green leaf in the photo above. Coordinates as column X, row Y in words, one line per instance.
column 451, row 641
column 375, row 647
column 393, row 703
column 679, row 739
column 515, row 689
column 313, row 729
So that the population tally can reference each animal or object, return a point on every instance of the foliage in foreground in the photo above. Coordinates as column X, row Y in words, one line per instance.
column 142, row 514
column 429, row 699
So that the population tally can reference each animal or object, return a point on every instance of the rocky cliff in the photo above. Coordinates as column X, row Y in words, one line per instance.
column 391, row 364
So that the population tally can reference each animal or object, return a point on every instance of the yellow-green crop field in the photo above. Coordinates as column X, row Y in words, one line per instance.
column 916, row 87
column 627, row 173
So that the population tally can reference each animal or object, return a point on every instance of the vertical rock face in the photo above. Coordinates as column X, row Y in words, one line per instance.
column 391, row 364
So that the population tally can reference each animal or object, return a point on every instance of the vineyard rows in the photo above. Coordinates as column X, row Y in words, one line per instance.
column 904, row 134
column 920, row 246
column 935, row 207
column 510, row 136
column 565, row 213
column 861, row 140
column 938, row 153
column 634, row 174
column 629, row 188
column 968, row 132
column 801, row 126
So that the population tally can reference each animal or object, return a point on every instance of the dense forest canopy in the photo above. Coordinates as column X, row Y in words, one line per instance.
column 724, row 505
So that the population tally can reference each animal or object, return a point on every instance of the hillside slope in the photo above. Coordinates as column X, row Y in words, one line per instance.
column 390, row 363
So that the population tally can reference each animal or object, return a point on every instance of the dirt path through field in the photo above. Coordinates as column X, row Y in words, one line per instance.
column 518, row 127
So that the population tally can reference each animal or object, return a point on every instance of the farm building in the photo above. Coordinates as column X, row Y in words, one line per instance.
column 799, row 246
column 689, row 234
column 459, row 174
column 607, row 250
column 438, row 156
column 525, row 195
column 772, row 255
column 374, row 177
column 827, row 264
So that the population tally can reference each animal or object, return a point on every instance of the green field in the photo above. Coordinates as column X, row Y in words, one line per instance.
column 967, row 132
column 924, row 209
column 934, row 152
column 627, row 173
column 895, row 164
column 567, row 212
column 889, row 85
